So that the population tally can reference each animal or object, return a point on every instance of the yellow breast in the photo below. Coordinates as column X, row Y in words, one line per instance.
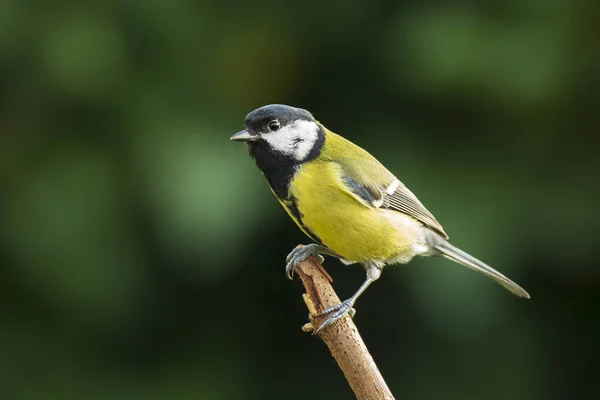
column 351, row 229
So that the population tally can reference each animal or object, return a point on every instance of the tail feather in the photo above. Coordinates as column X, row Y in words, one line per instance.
column 457, row 255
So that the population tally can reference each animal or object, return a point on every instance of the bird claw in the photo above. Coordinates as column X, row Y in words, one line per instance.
column 299, row 254
column 336, row 313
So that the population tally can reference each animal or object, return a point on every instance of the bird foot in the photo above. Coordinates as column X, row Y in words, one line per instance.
column 336, row 313
column 299, row 254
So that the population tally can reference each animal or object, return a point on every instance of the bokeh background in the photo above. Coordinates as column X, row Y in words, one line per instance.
column 142, row 253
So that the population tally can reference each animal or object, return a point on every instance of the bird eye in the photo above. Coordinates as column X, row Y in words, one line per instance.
column 274, row 125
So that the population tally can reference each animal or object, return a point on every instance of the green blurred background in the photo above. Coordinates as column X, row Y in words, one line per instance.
column 142, row 253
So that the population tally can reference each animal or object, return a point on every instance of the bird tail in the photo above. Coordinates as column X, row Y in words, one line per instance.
column 457, row 255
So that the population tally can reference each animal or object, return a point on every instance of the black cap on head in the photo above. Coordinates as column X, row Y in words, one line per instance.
column 259, row 118
column 280, row 147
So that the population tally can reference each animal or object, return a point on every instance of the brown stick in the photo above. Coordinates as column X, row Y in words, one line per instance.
column 342, row 338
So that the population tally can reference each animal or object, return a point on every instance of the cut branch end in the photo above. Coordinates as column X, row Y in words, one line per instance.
column 342, row 337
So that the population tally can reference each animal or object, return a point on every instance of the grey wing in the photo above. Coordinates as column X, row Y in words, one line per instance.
column 399, row 198
column 387, row 192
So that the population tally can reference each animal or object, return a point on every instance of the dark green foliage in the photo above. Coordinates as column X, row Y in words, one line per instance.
column 142, row 254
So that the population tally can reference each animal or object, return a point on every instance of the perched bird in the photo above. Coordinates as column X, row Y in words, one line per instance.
column 345, row 200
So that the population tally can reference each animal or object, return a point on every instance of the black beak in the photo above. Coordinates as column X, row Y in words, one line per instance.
column 243, row 136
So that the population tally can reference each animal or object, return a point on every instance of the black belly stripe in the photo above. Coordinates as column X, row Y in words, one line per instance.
column 291, row 205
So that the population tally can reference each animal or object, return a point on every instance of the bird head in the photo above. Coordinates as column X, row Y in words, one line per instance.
column 279, row 131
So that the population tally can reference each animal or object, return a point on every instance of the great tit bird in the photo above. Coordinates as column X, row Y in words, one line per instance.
column 345, row 200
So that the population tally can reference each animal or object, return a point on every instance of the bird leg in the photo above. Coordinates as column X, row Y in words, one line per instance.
column 340, row 310
column 302, row 253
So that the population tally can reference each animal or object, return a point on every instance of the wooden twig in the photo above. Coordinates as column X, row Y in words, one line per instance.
column 342, row 338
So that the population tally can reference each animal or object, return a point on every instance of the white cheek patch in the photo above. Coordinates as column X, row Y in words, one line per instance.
column 296, row 139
